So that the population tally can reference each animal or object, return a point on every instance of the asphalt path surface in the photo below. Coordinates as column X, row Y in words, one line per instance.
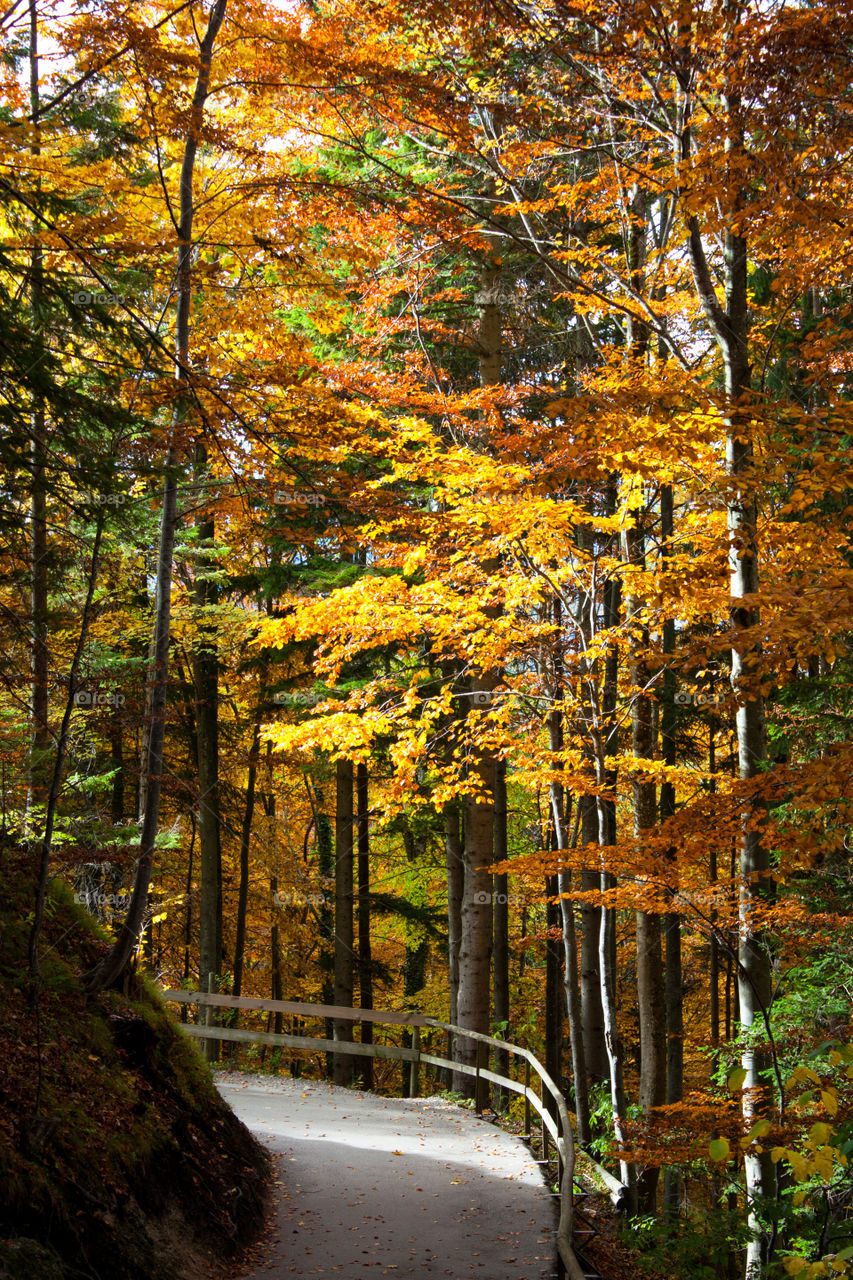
column 370, row 1186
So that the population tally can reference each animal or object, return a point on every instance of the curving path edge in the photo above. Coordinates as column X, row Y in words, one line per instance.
column 371, row 1186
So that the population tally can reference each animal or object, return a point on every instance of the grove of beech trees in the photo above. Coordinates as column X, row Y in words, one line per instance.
column 425, row 548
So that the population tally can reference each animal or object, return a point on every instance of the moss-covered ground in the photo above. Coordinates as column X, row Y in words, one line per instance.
column 118, row 1158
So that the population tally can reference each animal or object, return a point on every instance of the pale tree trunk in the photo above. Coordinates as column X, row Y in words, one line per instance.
column 342, row 1068
column 592, row 1018
column 612, row 1041
column 650, row 979
column 559, row 818
column 475, row 946
column 554, row 989
column 730, row 326
column 605, row 746
column 113, row 965
column 755, row 975
column 573, row 1008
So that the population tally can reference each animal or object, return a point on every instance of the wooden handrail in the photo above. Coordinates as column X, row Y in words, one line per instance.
column 559, row 1128
column 401, row 1018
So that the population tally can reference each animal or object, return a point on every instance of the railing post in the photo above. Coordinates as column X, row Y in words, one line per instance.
column 212, row 1047
column 415, row 1065
column 527, row 1134
column 481, row 1087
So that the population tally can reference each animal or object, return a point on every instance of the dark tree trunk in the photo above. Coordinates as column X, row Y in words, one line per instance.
column 245, row 846
column 674, row 992
column 326, row 869
column 206, row 689
column 455, row 887
column 365, row 961
column 343, row 1066
column 500, row 926
column 39, row 770
column 108, row 970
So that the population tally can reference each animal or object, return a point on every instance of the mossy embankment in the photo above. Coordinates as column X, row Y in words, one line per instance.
column 118, row 1158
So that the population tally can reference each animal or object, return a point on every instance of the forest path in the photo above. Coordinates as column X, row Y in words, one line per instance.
column 370, row 1186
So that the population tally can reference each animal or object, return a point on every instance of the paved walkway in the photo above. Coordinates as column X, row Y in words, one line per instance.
column 372, row 1186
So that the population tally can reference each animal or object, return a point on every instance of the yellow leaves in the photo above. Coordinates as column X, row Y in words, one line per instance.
column 758, row 1130
column 736, row 1078
column 799, row 1165
column 802, row 1269
column 719, row 1149
column 804, row 1073
column 414, row 560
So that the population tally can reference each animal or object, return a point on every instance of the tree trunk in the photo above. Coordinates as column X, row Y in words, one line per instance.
column 343, row 1066
column 553, row 984
column 110, row 968
column 500, row 927
column 39, row 767
column 650, row 979
column 559, row 819
column 417, row 957
column 52, row 799
column 365, row 961
column 612, row 1039
column 245, row 846
column 326, row 914
column 674, row 994
column 188, row 921
column 592, row 1018
column 117, row 763
column 730, row 326
column 276, row 984
column 206, row 687
column 475, row 947
column 455, row 889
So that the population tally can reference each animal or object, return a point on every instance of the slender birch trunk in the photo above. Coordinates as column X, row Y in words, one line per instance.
column 650, row 978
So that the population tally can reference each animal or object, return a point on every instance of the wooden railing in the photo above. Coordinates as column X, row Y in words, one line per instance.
column 548, row 1103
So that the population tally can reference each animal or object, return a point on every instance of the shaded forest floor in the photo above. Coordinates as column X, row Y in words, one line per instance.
column 118, row 1158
